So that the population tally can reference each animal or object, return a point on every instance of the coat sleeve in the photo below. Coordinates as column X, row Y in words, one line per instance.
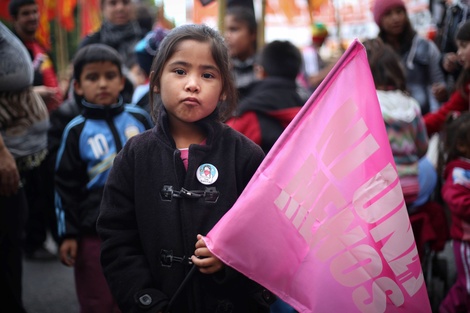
column 436, row 73
column 248, row 125
column 70, row 184
column 435, row 120
column 457, row 197
column 421, row 138
column 122, row 257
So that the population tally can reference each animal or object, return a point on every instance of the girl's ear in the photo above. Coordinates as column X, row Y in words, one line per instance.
column 155, row 88
column 223, row 97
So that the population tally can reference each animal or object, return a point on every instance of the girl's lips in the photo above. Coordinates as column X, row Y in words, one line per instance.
column 192, row 101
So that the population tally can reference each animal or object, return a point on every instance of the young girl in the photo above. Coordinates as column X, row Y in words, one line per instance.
column 404, row 124
column 456, row 194
column 172, row 184
column 420, row 56
column 459, row 101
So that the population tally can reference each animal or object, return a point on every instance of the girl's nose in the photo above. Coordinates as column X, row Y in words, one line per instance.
column 192, row 85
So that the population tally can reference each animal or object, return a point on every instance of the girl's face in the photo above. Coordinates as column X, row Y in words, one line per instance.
column 191, row 83
column 393, row 21
column 117, row 12
column 463, row 53
column 100, row 83
column 240, row 41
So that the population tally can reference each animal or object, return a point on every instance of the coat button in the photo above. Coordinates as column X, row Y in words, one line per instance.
column 145, row 299
column 268, row 296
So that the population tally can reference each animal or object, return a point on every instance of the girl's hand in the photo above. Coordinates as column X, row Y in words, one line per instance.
column 68, row 252
column 204, row 259
column 439, row 91
column 450, row 62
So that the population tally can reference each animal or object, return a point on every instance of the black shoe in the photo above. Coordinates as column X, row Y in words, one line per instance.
column 40, row 254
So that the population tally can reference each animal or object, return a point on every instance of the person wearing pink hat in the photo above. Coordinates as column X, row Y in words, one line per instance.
column 420, row 56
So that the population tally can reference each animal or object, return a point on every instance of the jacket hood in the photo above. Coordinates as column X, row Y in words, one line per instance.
column 460, row 162
column 396, row 105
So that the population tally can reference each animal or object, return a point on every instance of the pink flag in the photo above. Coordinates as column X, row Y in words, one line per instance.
column 323, row 223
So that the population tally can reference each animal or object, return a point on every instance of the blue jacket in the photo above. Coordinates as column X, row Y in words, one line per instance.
column 88, row 147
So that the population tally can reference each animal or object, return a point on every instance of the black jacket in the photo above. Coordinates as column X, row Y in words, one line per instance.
column 267, row 110
column 145, row 231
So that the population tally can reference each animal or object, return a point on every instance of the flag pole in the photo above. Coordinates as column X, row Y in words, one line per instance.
column 222, row 8
column 261, row 26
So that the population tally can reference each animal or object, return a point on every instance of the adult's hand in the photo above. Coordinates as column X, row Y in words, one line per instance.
column 9, row 175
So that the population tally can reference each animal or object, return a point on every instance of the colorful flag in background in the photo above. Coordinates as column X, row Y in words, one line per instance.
column 90, row 16
column 65, row 12
column 46, row 14
column 323, row 223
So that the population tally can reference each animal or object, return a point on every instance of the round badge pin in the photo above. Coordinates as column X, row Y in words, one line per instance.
column 207, row 174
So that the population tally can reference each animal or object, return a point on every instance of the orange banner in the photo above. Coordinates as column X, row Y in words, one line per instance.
column 90, row 16
column 65, row 13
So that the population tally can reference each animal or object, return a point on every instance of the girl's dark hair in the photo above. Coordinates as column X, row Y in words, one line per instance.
column 456, row 133
column 385, row 65
column 199, row 33
column 94, row 53
column 463, row 34
column 406, row 37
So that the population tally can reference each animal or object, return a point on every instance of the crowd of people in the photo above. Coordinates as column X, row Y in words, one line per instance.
column 145, row 105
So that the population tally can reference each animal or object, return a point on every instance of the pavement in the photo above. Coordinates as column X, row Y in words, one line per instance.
column 48, row 286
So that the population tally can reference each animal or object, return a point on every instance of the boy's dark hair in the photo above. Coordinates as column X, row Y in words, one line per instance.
column 94, row 53
column 15, row 5
column 456, row 134
column 199, row 33
column 280, row 59
column 463, row 34
column 244, row 15
column 385, row 65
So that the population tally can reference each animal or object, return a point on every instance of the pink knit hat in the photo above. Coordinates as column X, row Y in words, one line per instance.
column 382, row 6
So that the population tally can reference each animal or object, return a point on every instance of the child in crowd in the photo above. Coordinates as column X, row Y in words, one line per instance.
column 456, row 194
column 145, row 52
column 420, row 56
column 404, row 124
column 459, row 100
column 240, row 35
column 89, row 145
column 273, row 100
column 171, row 185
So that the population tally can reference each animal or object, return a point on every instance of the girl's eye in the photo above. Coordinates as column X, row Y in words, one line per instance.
column 179, row 72
column 207, row 75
